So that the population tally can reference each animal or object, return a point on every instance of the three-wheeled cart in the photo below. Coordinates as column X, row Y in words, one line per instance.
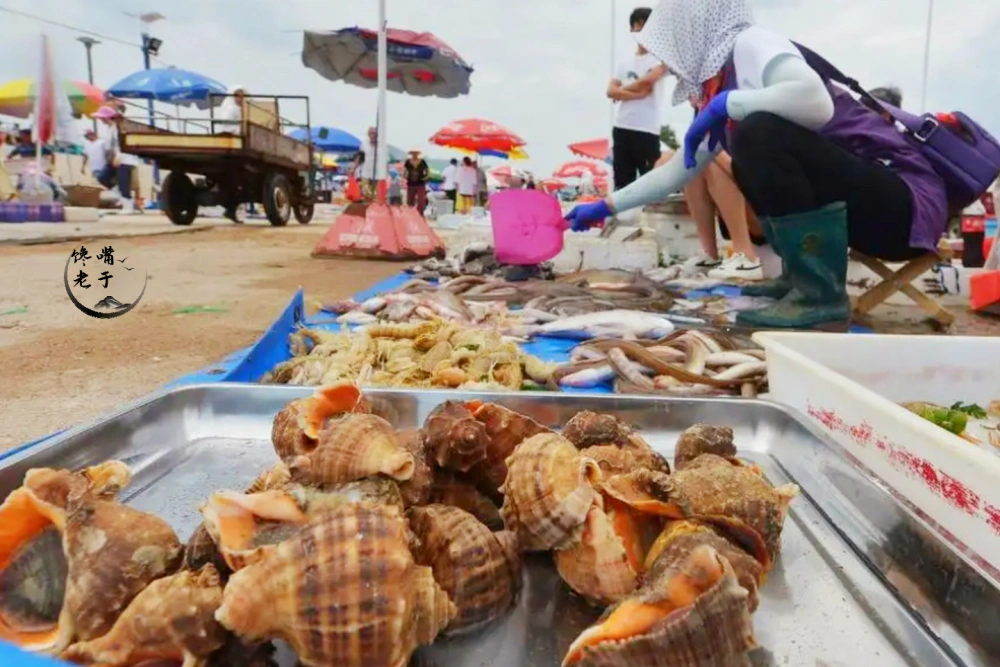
column 228, row 163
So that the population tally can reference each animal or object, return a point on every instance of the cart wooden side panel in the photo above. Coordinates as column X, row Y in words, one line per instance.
column 277, row 148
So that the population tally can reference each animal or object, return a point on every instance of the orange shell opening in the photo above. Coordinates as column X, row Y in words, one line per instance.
column 623, row 489
column 633, row 617
column 742, row 534
column 626, row 527
column 474, row 406
column 22, row 518
column 325, row 403
column 673, row 530
column 234, row 515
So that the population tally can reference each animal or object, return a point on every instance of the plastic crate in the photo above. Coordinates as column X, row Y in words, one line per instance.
column 851, row 386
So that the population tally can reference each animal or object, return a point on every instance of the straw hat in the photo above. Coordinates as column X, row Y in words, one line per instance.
column 104, row 113
column 414, row 151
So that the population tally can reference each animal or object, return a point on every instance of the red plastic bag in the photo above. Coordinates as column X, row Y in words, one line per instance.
column 353, row 190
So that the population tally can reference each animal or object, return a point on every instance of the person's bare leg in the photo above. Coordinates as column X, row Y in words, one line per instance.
column 732, row 205
column 699, row 203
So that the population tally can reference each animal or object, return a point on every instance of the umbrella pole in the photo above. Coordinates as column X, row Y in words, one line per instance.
column 381, row 165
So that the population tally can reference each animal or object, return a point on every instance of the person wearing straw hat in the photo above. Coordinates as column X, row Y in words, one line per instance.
column 417, row 174
column 230, row 114
column 821, row 170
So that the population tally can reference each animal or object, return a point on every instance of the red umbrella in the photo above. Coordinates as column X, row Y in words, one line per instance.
column 552, row 185
column 596, row 149
column 504, row 174
column 419, row 63
column 476, row 134
column 578, row 168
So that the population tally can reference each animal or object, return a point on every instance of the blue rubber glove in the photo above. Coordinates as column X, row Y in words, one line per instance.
column 585, row 216
column 712, row 122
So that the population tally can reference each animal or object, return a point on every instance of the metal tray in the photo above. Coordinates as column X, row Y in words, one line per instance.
column 842, row 593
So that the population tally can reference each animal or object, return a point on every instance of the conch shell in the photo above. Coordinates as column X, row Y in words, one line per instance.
column 703, row 439
column 71, row 558
column 343, row 591
column 692, row 615
column 479, row 570
column 712, row 488
column 171, row 619
column 296, row 428
column 548, row 492
column 455, row 439
column 353, row 447
column 505, row 430
column 615, row 460
column 448, row 489
column 201, row 548
column 244, row 526
column 605, row 564
column 417, row 489
column 589, row 429
column 680, row 538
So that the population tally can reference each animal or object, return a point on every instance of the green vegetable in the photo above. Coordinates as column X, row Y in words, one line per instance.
column 973, row 410
column 949, row 419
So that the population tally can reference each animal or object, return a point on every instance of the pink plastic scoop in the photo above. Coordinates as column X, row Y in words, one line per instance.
column 528, row 226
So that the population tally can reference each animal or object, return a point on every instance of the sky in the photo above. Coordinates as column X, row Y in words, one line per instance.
column 541, row 66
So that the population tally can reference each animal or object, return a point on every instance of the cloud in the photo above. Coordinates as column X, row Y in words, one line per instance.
column 541, row 65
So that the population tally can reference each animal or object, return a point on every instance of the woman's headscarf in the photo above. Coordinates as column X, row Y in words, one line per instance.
column 694, row 39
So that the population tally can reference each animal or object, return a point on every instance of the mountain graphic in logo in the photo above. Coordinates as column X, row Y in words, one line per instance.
column 110, row 303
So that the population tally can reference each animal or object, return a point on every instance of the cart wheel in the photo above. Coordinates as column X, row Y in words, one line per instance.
column 178, row 198
column 277, row 199
column 304, row 213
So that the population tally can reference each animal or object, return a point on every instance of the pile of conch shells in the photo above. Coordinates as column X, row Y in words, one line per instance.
column 365, row 542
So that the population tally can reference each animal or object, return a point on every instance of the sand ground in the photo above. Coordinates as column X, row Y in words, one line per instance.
column 62, row 367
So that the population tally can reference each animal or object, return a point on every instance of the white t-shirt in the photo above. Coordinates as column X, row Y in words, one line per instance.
column 97, row 154
column 641, row 115
column 115, row 144
column 467, row 180
column 754, row 50
column 368, row 166
column 450, row 176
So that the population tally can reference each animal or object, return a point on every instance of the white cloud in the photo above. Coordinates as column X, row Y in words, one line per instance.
column 541, row 65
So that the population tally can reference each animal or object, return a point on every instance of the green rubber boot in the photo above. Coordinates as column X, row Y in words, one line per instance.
column 813, row 248
column 774, row 288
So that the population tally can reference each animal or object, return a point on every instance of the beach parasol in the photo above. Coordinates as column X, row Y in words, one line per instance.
column 552, row 185
column 328, row 139
column 504, row 174
column 578, row 168
column 418, row 62
column 476, row 134
column 171, row 85
column 17, row 98
column 595, row 149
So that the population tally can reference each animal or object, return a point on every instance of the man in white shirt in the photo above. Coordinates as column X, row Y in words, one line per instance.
column 364, row 165
column 450, row 175
column 638, row 89
column 95, row 159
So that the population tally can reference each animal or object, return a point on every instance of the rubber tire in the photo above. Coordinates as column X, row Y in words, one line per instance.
column 177, row 199
column 274, row 183
column 304, row 213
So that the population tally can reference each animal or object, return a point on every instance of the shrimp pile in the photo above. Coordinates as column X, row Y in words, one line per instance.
column 432, row 354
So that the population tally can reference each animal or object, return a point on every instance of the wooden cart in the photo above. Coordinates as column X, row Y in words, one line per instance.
column 228, row 164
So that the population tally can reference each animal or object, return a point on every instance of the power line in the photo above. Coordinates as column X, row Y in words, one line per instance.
column 66, row 26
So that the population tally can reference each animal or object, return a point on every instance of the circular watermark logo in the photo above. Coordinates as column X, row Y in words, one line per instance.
column 106, row 280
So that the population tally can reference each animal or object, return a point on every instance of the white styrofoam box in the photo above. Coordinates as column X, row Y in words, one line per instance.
column 850, row 387
column 677, row 235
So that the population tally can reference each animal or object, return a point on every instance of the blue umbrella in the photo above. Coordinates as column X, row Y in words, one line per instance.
column 329, row 139
column 172, row 85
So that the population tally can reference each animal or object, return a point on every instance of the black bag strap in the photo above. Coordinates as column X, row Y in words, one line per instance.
column 827, row 71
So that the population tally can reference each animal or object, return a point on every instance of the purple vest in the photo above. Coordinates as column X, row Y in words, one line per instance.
column 863, row 133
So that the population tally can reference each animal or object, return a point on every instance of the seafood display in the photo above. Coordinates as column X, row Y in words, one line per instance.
column 685, row 363
column 523, row 308
column 476, row 259
column 365, row 542
column 425, row 354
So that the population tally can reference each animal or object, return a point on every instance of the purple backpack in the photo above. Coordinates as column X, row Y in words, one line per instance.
column 964, row 155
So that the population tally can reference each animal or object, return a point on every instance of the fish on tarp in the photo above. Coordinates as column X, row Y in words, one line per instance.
column 611, row 324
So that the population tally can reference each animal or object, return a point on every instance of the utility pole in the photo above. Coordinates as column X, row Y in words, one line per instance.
column 88, row 43
column 150, row 48
column 927, row 56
